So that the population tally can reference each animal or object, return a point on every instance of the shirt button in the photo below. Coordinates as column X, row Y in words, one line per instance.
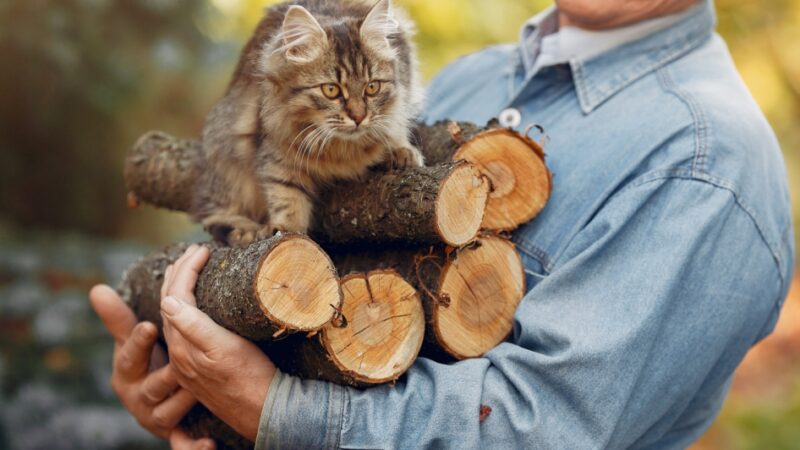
column 510, row 118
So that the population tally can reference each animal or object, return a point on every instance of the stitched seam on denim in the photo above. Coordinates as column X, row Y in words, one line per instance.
column 579, row 80
column 674, row 175
column 700, row 122
column 514, row 64
column 721, row 184
column 617, row 84
column 333, row 428
column 534, row 251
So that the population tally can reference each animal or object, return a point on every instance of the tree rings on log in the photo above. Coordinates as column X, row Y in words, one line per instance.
column 482, row 286
column 461, row 205
column 520, row 181
column 375, row 339
column 285, row 283
column 385, row 327
column 296, row 284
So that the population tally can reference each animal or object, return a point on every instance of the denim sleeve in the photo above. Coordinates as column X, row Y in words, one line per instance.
column 651, row 304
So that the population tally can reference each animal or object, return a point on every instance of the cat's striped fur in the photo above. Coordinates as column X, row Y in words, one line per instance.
column 276, row 137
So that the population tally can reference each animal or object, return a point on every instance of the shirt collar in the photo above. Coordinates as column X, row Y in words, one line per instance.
column 605, row 62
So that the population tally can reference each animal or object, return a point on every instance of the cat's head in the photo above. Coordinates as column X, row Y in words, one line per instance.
column 346, row 69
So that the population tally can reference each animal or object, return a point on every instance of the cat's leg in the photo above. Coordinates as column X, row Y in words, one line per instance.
column 402, row 153
column 289, row 207
column 230, row 203
column 231, row 228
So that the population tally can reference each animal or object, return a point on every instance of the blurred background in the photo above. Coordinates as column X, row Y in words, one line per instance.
column 82, row 79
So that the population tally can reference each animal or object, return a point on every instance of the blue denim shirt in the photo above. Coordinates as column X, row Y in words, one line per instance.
column 664, row 254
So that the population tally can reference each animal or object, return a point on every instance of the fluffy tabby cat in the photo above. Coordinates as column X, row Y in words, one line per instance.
column 323, row 90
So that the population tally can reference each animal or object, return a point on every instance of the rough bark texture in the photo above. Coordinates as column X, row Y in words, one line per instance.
column 225, row 291
column 162, row 170
column 398, row 206
column 225, row 288
column 199, row 422
column 307, row 358
column 440, row 141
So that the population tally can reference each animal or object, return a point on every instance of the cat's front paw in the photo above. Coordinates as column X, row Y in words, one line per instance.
column 405, row 157
column 233, row 230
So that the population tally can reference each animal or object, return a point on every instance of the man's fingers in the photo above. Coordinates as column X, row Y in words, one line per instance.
column 170, row 412
column 115, row 314
column 133, row 358
column 180, row 440
column 167, row 280
column 186, row 273
column 191, row 323
column 169, row 273
column 175, row 267
column 159, row 384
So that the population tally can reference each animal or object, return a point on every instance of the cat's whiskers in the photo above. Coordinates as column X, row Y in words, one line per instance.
column 328, row 136
column 304, row 150
column 299, row 150
column 313, row 144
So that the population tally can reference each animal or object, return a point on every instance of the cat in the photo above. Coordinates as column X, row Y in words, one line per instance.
column 323, row 90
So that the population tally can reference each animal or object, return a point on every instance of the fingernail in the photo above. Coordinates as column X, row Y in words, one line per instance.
column 170, row 305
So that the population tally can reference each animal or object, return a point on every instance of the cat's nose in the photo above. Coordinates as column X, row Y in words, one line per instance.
column 357, row 112
column 357, row 117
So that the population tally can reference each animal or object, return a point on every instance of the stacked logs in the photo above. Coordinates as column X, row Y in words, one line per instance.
column 425, row 268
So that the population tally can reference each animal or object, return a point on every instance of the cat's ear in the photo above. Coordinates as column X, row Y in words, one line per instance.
column 378, row 26
column 303, row 37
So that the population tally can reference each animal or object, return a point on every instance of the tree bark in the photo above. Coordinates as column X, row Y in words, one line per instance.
column 469, row 295
column 444, row 203
column 285, row 283
column 162, row 170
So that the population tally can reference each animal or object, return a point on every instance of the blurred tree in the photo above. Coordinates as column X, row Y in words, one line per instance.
column 72, row 72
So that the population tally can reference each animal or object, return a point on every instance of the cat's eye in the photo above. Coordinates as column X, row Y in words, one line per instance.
column 373, row 88
column 331, row 90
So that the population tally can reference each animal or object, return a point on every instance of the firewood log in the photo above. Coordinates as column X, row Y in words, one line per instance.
column 372, row 329
column 469, row 295
column 444, row 203
column 278, row 285
column 375, row 340
column 514, row 163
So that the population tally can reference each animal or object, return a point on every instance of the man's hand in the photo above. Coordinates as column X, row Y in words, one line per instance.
column 153, row 398
column 226, row 372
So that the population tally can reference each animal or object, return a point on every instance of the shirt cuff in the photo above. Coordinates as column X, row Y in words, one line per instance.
column 301, row 414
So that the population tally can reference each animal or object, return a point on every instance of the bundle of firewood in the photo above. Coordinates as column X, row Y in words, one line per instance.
column 425, row 267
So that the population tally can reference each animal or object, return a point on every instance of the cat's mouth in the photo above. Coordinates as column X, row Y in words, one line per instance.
column 351, row 132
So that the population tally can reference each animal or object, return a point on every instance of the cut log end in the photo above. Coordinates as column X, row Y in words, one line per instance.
column 520, row 183
column 484, row 284
column 461, row 205
column 385, row 327
column 292, row 279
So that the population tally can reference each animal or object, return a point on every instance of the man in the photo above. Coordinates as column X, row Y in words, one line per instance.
column 664, row 254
